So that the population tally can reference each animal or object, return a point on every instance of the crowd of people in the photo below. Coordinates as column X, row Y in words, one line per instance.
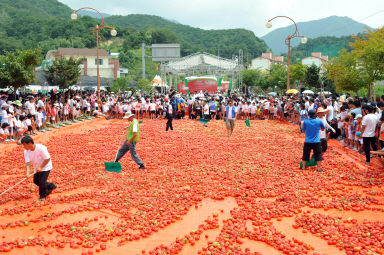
column 355, row 121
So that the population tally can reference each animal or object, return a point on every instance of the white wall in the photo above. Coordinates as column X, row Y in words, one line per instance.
column 261, row 63
column 309, row 61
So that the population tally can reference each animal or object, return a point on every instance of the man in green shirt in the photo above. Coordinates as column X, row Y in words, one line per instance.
column 130, row 142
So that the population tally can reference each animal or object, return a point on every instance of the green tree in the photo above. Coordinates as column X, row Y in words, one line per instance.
column 298, row 73
column 312, row 77
column 328, row 83
column 278, row 77
column 17, row 69
column 346, row 73
column 120, row 84
column 144, row 85
column 64, row 72
column 368, row 51
column 255, row 78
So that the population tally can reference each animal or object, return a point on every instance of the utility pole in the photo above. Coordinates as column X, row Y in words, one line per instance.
column 143, row 59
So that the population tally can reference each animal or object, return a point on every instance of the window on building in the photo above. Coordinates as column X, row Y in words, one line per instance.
column 100, row 61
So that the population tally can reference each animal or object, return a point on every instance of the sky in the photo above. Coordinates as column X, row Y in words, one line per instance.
column 248, row 14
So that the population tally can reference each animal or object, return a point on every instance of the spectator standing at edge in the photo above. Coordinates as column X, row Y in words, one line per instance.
column 368, row 130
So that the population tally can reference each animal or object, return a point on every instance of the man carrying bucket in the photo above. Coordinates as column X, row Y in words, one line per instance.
column 130, row 142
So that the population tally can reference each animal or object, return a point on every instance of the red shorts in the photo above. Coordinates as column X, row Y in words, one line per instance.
column 266, row 112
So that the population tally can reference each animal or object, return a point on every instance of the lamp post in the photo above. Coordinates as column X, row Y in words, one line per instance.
column 288, row 42
column 96, row 32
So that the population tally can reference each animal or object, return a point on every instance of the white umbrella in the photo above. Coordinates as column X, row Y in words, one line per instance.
column 327, row 93
column 308, row 92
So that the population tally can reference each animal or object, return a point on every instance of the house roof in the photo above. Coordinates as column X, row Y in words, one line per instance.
column 270, row 57
column 81, row 52
column 84, row 79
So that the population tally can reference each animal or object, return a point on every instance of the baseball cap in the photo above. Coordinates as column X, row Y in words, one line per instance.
column 358, row 116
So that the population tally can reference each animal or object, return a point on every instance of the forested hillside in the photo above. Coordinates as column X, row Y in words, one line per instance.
column 327, row 45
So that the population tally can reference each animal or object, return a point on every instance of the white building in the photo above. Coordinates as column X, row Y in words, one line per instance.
column 265, row 61
column 109, row 68
column 317, row 59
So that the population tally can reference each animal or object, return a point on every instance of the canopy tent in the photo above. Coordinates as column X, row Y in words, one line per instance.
column 204, row 64
column 201, row 62
column 158, row 82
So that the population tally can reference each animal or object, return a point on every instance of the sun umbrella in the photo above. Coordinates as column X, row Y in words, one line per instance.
column 292, row 91
column 308, row 92
column 272, row 93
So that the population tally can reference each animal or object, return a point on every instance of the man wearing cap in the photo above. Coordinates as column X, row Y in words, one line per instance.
column 130, row 142
column 323, row 137
column 312, row 127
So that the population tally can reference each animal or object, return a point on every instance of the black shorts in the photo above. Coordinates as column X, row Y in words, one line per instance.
column 153, row 112
column 316, row 147
column 29, row 128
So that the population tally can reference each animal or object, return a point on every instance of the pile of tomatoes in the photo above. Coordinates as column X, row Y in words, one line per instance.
column 93, row 210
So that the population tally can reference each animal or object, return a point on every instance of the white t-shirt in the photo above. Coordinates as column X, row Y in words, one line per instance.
column 330, row 113
column 253, row 109
column 206, row 109
column 152, row 107
column 37, row 156
column 135, row 128
column 5, row 119
column 306, row 105
column 31, row 109
column 370, row 123
column 266, row 105
column 40, row 103
column 4, row 132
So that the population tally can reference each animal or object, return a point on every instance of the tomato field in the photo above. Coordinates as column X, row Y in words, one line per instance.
column 201, row 193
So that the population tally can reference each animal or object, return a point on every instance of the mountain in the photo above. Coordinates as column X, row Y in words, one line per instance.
column 331, row 26
column 226, row 41
column 92, row 14
column 42, row 8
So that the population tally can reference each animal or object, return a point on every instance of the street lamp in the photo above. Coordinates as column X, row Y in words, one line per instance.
column 96, row 32
column 288, row 42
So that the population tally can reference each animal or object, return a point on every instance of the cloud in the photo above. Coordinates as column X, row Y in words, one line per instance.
column 249, row 14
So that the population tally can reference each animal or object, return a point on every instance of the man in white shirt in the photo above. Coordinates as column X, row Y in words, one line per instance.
column 323, row 133
column 369, row 124
column 330, row 111
column 230, row 117
column 38, row 159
